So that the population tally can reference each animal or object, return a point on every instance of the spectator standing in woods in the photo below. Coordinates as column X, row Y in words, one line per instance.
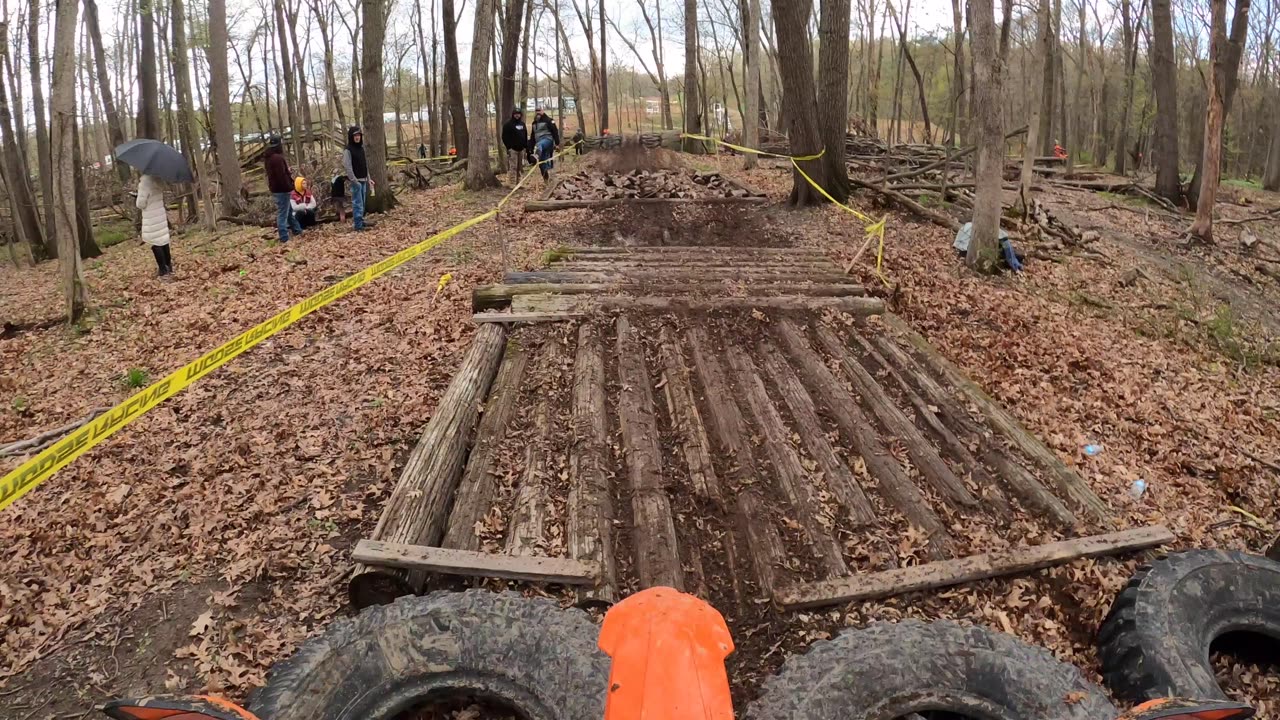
column 155, row 222
column 546, row 138
column 578, row 137
column 280, row 184
column 422, row 150
column 303, row 203
column 515, row 138
column 353, row 161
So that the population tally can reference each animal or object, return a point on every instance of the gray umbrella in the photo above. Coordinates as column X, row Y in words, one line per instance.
column 152, row 157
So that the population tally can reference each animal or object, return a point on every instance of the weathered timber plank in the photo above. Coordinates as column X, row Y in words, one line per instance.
column 544, row 205
column 794, row 482
column 478, row 488
column 524, row 317
column 591, row 512
column 426, row 559
column 496, row 297
column 685, row 418
column 946, row 573
column 657, row 556
column 529, row 517
column 1071, row 485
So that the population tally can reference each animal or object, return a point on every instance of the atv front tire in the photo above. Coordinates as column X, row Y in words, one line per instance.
column 1155, row 641
column 527, row 654
column 892, row 670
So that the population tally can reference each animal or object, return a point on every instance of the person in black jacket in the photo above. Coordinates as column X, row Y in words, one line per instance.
column 358, row 180
column 546, row 138
column 515, row 138
column 280, row 184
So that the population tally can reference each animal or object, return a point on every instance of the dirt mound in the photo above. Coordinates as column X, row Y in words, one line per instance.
column 634, row 156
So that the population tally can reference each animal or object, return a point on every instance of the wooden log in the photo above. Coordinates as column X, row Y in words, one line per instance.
column 496, row 297
column 657, row 557
column 765, row 544
column 416, row 512
column 545, row 205
column 729, row 429
column 478, row 488
column 709, row 264
column 1075, row 489
column 839, row 479
column 922, row 453
column 591, row 512
column 494, row 316
column 634, row 276
column 796, row 484
column 938, row 218
column 526, row 532
column 426, row 559
column 682, row 408
column 854, row 305
column 1020, row 483
column 668, row 249
column 946, row 573
column 892, row 482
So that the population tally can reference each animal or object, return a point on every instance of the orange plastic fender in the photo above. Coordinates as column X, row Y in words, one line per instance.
column 668, row 652
column 1184, row 709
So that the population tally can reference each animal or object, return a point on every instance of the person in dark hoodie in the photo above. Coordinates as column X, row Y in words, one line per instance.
column 358, row 181
column 546, row 138
column 515, row 138
column 280, row 184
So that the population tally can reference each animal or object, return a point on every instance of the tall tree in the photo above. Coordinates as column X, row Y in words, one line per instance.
column 479, row 171
column 959, row 125
column 751, row 50
column 833, row 92
column 22, row 201
column 1230, row 54
column 1049, row 78
column 223, row 133
column 604, row 69
column 319, row 12
column 1130, row 49
column 692, row 93
column 62, row 144
column 427, row 77
column 795, row 54
column 510, row 56
column 42, row 134
column 453, row 80
column 291, row 11
column 1214, row 117
column 115, row 126
column 1165, row 82
column 984, row 244
column 186, row 109
column 375, row 132
column 1036, row 88
column 290, row 89
column 149, row 91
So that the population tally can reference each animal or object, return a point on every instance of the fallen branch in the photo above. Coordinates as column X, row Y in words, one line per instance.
column 48, row 437
column 243, row 221
column 903, row 200
column 1260, row 460
column 946, row 159
column 1269, row 215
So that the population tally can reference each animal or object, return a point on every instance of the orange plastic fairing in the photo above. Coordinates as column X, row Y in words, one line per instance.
column 202, row 707
column 668, row 651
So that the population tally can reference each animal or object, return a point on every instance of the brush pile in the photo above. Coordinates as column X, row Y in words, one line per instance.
column 640, row 183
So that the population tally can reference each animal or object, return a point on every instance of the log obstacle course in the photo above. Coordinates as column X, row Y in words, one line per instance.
column 764, row 441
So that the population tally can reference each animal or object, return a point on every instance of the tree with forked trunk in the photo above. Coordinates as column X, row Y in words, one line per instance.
column 795, row 60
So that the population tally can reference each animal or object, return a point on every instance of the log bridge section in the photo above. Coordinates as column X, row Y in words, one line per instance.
column 747, row 424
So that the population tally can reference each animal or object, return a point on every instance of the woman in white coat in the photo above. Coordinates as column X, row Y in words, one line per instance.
column 155, row 222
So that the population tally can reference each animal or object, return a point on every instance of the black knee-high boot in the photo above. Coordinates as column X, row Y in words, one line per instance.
column 159, row 252
column 168, row 260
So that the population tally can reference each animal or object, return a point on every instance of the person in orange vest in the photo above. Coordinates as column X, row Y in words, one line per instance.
column 1058, row 151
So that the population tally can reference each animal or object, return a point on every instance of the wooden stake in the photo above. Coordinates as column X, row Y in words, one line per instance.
column 591, row 511
column 424, row 559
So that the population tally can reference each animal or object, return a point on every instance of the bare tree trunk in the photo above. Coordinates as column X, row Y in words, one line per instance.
column 149, row 99
column 453, row 77
column 524, row 62
column 1218, row 80
column 1035, row 93
column 84, row 220
column 833, row 92
column 751, row 122
column 1232, row 52
column 381, row 198
column 573, row 70
column 42, row 134
column 186, row 113
column 510, row 55
column 427, row 79
column 62, row 117
column 1130, row 66
column 984, row 246
column 304, row 101
column 290, row 89
column 1048, row 88
column 115, row 126
column 915, row 72
column 22, row 201
column 791, row 20
column 1165, row 81
column 479, row 172
column 959, row 128
column 692, row 96
column 220, row 109
column 604, row 67
column 331, row 79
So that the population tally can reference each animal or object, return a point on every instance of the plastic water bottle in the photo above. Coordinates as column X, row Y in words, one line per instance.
column 1092, row 450
column 1137, row 489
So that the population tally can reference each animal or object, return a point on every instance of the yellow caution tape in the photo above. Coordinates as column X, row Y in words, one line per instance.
column 444, row 280
column 873, row 228
column 60, row 454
